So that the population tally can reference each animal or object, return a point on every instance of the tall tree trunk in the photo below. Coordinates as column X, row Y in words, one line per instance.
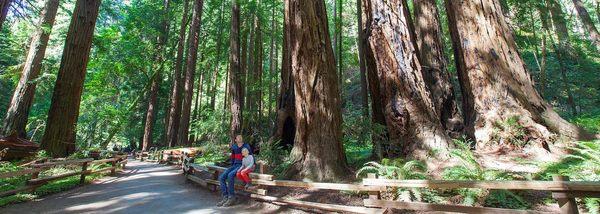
column 433, row 63
column 272, row 62
column 59, row 137
column 4, row 6
column 18, row 111
column 340, row 41
column 157, row 77
column 217, row 61
column 318, row 151
column 257, row 73
column 364, row 97
column 188, row 89
column 409, row 111
column 587, row 22
column 175, row 112
column 235, row 74
column 495, row 83
column 564, row 46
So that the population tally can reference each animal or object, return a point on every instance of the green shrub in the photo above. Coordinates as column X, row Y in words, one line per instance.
column 398, row 169
column 509, row 132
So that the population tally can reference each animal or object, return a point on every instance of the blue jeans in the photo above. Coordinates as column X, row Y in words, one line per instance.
column 227, row 180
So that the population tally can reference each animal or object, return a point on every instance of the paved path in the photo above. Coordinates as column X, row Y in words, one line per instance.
column 142, row 188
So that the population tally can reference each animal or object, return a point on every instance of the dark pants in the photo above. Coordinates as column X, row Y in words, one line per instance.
column 227, row 180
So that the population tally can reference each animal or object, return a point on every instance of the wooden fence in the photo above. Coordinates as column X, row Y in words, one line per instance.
column 35, row 169
column 563, row 190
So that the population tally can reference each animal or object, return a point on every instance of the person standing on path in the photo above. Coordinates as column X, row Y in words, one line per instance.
column 227, row 178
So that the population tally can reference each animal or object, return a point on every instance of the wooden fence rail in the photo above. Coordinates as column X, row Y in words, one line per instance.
column 563, row 190
column 35, row 181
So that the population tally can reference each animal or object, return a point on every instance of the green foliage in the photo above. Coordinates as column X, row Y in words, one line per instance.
column 590, row 122
column 212, row 154
column 509, row 131
column 398, row 169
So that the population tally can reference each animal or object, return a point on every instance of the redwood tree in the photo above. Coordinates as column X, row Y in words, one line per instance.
column 495, row 83
column 587, row 22
column 433, row 65
column 22, row 99
column 175, row 106
column 409, row 112
column 318, row 152
column 192, row 55
column 4, row 6
column 235, row 74
column 59, row 137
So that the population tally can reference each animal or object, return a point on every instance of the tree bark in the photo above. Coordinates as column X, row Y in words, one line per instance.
column 272, row 62
column 340, row 42
column 318, row 152
column 22, row 99
column 587, row 22
column 4, row 6
column 433, row 63
column 216, row 72
column 175, row 106
column 409, row 111
column 188, row 89
column 235, row 74
column 59, row 137
column 495, row 83
column 364, row 97
column 157, row 77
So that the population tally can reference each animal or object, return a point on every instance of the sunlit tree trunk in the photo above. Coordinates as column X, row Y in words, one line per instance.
column 4, row 6
column 175, row 112
column 318, row 151
column 409, row 112
column 494, row 81
column 22, row 99
column 235, row 73
column 59, row 137
column 364, row 97
column 587, row 22
column 188, row 89
column 433, row 64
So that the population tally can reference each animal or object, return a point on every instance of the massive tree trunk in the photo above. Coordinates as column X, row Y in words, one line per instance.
column 318, row 151
column 4, row 6
column 59, row 137
column 157, row 77
column 175, row 112
column 188, row 89
column 18, row 111
column 587, row 22
column 433, row 65
column 364, row 97
column 494, row 81
column 235, row 74
column 565, row 48
column 409, row 111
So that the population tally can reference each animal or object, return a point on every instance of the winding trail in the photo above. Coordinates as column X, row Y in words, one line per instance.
column 142, row 188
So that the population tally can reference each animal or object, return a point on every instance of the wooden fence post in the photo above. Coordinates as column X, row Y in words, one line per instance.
column 83, row 173
column 113, row 171
column 567, row 205
column 374, row 194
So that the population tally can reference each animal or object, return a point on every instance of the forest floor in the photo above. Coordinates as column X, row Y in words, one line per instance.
column 142, row 188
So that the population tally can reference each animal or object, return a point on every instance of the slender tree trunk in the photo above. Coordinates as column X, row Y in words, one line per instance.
column 272, row 62
column 188, row 89
column 175, row 112
column 361, row 60
column 495, row 83
column 235, row 84
column 587, row 22
column 216, row 72
column 156, row 78
column 59, row 137
column 255, row 76
column 409, row 111
column 4, row 6
column 318, row 152
column 433, row 62
column 564, row 47
column 340, row 41
column 18, row 111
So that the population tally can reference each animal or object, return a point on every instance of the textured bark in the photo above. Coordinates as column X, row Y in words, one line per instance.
column 409, row 111
column 4, row 6
column 59, row 137
column 433, row 64
column 564, row 48
column 339, row 48
column 156, row 78
column 175, row 106
column 235, row 73
column 494, row 81
column 188, row 88
column 364, row 97
column 318, row 152
column 22, row 99
column 587, row 22
column 272, row 63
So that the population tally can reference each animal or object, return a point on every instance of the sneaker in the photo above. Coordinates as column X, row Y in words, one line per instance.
column 220, row 204
column 230, row 202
